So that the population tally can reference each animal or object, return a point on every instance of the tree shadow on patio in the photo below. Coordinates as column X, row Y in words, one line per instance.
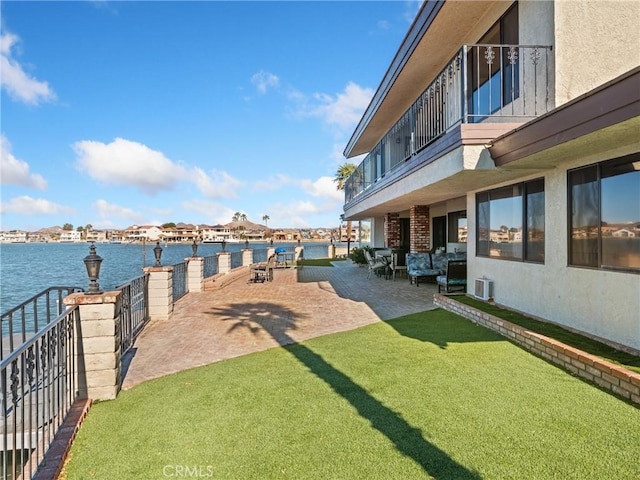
column 408, row 440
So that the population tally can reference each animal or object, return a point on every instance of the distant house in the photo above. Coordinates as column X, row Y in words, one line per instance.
column 524, row 114
column 69, row 236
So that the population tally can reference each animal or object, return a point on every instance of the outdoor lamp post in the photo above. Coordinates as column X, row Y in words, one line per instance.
column 272, row 241
column 194, row 248
column 224, row 244
column 246, row 244
column 93, row 262
column 157, row 252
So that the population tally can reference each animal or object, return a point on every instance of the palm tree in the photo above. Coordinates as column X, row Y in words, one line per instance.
column 342, row 174
column 265, row 219
column 243, row 217
column 236, row 216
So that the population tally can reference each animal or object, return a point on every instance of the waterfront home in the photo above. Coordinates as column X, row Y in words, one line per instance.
column 70, row 236
column 511, row 131
column 13, row 236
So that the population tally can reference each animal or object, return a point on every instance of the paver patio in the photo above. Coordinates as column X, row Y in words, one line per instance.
column 323, row 300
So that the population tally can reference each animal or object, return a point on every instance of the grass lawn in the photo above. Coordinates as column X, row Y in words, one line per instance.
column 429, row 395
column 563, row 335
column 321, row 262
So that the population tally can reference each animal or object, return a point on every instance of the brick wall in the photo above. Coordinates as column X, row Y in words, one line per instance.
column 420, row 236
column 392, row 230
column 609, row 376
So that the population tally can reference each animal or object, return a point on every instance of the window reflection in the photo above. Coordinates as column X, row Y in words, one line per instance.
column 605, row 214
column 502, row 232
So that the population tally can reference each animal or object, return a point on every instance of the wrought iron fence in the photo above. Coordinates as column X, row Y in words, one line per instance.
column 210, row 266
column 260, row 255
column 21, row 322
column 39, row 387
column 179, row 280
column 236, row 259
column 492, row 83
column 134, row 311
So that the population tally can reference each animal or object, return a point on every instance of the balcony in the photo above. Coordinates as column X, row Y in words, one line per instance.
column 482, row 83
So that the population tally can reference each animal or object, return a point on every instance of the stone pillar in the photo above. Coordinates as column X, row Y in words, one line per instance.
column 160, row 292
column 195, row 274
column 247, row 257
column 420, row 235
column 392, row 230
column 224, row 262
column 98, row 354
column 331, row 251
column 299, row 254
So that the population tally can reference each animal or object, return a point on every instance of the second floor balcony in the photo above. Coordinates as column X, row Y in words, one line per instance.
column 482, row 83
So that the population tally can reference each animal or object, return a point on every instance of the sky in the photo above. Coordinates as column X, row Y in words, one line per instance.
column 142, row 113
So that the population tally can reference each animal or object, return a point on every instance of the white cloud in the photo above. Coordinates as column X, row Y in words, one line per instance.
column 264, row 80
column 345, row 109
column 110, row 212
column 219, row 185
column 16, row 172
column 123, row 162
column 18, row 84
column 323, row 187
column 213, row 212
column 26, row 205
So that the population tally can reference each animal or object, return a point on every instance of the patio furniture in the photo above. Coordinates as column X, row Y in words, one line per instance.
column 375, row 265
column 455, row 278
column 263, row 272
column 419, row 265
column 395, row 267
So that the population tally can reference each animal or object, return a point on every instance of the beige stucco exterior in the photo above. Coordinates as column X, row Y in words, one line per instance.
column 595, row 41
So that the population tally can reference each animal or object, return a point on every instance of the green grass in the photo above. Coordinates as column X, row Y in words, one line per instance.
column 429, row 395
column 586, row 344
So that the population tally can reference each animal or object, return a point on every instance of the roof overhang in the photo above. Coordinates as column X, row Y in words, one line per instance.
column 437, row 33
column 604, row 119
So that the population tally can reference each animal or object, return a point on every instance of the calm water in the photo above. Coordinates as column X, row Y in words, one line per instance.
column 29, row 268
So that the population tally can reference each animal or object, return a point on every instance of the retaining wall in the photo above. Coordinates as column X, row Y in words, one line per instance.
column 607, row 375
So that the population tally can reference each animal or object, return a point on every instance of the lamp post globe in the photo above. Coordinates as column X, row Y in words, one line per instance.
column 92, row 262
column 157, row 252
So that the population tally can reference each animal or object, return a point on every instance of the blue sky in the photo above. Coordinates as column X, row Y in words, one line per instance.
column 121, row 113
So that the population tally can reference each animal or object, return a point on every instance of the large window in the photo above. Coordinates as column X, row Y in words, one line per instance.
column 604, row 214
column 510, row 222
column 494, row 73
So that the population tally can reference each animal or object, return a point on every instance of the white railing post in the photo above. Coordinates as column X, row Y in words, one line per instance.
column 247, row 257
column 98, row 352
column 224, row 262
column 160, row 292
column 331, row 251
column 195, row 274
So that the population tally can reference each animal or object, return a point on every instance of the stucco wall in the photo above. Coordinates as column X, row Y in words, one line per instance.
column 599, row 302
column 596, row 41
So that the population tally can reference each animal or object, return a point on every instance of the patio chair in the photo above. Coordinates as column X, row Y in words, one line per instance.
column 456, row 277
column 395, row 267
column 376, row 265
column 263, row 272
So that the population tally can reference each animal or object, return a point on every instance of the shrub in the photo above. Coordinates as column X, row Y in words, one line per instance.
column 357, row 255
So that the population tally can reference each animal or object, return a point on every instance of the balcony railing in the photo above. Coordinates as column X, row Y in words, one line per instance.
column 481, row 83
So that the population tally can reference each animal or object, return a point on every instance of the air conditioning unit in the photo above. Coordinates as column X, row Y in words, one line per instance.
column 483, row 288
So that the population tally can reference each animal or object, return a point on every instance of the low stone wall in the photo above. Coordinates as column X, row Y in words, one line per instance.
column 609, row 376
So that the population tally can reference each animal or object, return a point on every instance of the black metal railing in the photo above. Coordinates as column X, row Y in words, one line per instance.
column 134, row 310
column 481, row 83
column 179, row 280
column 236, row 259
column 22, row 322
column 210, row 266
column 39, row 386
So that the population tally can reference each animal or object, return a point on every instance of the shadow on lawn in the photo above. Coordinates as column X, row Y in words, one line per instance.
column 442, row 328
column 408, row 440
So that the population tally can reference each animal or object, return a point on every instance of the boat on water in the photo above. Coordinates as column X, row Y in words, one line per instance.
column 220, row 239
